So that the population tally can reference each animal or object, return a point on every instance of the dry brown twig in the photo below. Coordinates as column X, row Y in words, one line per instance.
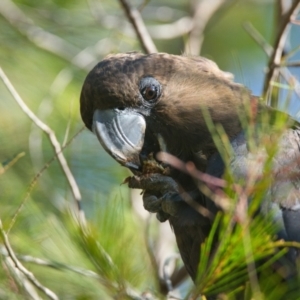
column 3, row 169
column 82, row 59
column 177, row 276
column 209, row 185
column 39, row 36
column 150, row 252
column 204, row 11
column 22, row 269
column 132, row 294
column 268, row 49
column 258, row 38
column 275, row 60
column 35, row 179
column 172, row 30
column 134, row 17
column 51, row 264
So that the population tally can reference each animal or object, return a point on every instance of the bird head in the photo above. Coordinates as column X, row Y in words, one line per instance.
column 132, row 101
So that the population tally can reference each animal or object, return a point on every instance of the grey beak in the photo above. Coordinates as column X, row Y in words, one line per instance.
column 121, row 133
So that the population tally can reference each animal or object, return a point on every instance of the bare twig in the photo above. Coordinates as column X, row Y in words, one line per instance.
column 143, row 5
column 36, row 177
column 209, row 185
column 22, row 269
column 291, row 64
column 54, row 265
column 275, row 59
column 169, row 31
column 149, row 249
column 4, row 168
column 178, row 164
column 167, row 277
column 45, row 40
column 53, row 140
column 268, row 49
column 16, row 277
column 258, row 38
column 37, row 35
column 137, row 22
column 296, row 22
column 203, row 13
column 45, row 108
column 179, row 275
column 282, row 7
column 130, row 293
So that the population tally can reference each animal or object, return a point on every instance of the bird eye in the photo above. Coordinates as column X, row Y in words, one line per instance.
column 150, row 89
column 149, row 92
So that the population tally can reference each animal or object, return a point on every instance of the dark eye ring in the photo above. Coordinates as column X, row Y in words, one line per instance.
column 150, row 89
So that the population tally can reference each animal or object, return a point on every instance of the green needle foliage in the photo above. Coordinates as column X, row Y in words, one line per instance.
column 241, row 258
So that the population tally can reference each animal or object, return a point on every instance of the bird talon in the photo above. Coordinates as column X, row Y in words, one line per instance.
column 171, row 203
column 161, row 216
column 151, row 203
column 157, row 183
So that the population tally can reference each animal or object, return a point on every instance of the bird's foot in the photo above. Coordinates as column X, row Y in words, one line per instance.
column 160, row 196
column 155, row 182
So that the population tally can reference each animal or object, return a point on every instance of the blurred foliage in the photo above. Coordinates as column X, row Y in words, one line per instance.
column 50, row 85
column 242, row 264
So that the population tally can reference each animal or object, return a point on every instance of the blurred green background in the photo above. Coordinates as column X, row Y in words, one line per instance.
column 48, row 74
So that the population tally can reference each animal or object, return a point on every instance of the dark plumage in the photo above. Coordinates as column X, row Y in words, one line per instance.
column 134, row 101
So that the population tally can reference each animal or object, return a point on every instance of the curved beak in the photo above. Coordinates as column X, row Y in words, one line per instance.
column 121, row 133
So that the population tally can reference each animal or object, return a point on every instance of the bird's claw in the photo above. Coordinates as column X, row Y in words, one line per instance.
column 157, row 183
column 161, row 216
column 161, row 194
column 171, row 203
column 151, row 202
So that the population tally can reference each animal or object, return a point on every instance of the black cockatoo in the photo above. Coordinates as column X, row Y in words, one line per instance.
column 138, row 105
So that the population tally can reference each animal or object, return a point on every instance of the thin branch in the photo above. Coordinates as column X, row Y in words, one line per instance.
column 213, row 187
column 19, row 278
column 187, row 168
column 45, row 108
column 132, row 294
column 172, row 30
column 296, row 22
column 275, row 59
column 167, row 281
column 53, row 140
column 43, row 39
column 22, row 269
column 58, row 266
column 149, row 249
column 53, row 265
column 281, row 8
column 290, row 64
column 134, row 17
column 203, row 14
column 268, row 49
column 35, row 34
column 36, row 177
column 258, row 38
column 167, row 277
column 6, row 166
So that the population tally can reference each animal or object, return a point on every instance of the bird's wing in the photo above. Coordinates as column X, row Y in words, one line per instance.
column 283, row 196
column 285, row 192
